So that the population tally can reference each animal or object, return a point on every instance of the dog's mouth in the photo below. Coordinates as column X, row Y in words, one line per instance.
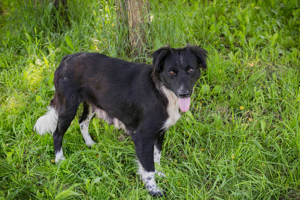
column 184, row 104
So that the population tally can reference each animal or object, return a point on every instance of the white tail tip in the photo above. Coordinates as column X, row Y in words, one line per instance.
column 47, row 123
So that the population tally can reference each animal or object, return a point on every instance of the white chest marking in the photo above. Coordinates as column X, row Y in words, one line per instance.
column 173, row 108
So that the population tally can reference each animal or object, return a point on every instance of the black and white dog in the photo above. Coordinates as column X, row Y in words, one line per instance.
column 144, row 100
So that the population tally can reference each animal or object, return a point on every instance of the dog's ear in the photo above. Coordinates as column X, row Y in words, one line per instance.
column 200, row 54
column 158, row 58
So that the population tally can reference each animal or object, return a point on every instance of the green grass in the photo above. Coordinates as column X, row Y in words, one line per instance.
column 241, row 139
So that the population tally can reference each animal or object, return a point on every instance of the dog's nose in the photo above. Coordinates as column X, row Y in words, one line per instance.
column 183, row 93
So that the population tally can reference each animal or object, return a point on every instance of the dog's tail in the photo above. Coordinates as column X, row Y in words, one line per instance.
column 47, row 123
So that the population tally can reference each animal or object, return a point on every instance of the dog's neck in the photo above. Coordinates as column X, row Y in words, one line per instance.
column 172, row 105
column 172, row 108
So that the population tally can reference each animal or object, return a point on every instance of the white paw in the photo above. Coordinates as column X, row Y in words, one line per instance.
column 155, row 191
column 57, row 159
column 90, row 143
column 160, row 174
column 59, row 156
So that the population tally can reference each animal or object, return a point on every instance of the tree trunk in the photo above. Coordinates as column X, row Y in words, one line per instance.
column 133, row 19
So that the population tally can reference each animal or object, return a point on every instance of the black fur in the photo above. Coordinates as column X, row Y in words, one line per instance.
column 129, row 92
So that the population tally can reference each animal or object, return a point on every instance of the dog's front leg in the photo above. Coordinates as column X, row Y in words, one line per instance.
column 145, row 149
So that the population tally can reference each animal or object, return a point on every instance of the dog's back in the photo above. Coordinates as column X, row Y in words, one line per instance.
column 121, row 88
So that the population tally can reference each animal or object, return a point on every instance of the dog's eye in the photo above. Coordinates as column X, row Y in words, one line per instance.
column 190, row 70
column 172, row 72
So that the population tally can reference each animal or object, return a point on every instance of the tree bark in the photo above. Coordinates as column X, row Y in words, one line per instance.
column 133, row 19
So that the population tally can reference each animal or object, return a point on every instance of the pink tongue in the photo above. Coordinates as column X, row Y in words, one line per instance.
column 184, row 104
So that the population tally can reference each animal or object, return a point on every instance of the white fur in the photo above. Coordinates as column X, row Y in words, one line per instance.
column 118, row 124
column 157, row 155
column 103, row 115
column 47, row 123
column 59, row 156
column 84, row 128
column 160, row 174
column 148, row 179
column 173, row 108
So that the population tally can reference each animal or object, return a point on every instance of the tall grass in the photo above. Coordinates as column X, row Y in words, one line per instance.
column 241, row 139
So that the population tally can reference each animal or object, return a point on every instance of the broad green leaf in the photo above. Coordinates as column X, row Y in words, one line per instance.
column 298, row 98
column 190, row 115
column 157, row 44
column 66, row 50
column 257, row 144
column 205, row 89
column 2, row 65
column 217, row 89
column 69, row 42
column 28, row 37
column 66, row 194
column 39, row 100
column 263, row 125
column 40, row 195
column 231, row 56
column 96, row 180
column 7, row 34
column 273, row 39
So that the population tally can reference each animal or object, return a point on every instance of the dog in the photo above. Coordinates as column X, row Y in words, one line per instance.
column 144, row 100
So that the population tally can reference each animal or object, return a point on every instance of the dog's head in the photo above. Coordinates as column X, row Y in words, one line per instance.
column 179, row 69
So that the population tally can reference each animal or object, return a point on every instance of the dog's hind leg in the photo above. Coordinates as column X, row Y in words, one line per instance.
column 66, row 114
column 84, row 121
